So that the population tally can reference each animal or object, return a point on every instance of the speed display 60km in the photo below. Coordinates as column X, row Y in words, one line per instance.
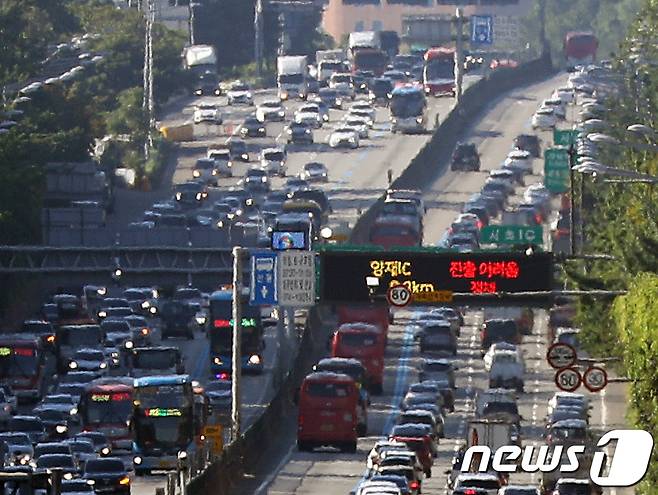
column 362, row 276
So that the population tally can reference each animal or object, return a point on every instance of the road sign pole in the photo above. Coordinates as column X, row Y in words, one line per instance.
column 459, row 54
column 236, row 360
column 572, row 202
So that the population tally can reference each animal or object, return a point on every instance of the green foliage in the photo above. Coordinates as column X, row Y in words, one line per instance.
column 128, row 117
column 635, row 316
column 608, row 19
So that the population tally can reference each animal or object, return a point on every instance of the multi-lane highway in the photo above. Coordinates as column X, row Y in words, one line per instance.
column 328, row 472
column 356, row 179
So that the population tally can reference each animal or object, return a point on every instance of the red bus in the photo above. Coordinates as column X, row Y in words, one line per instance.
column 580, row 48
column 395, row 230
column 366, row 343
column 106, row 406
column 439, row 71
column 375, row 314
column 328, row 412
column 23, row 365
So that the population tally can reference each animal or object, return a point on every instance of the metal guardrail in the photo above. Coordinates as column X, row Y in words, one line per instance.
column 42, row 259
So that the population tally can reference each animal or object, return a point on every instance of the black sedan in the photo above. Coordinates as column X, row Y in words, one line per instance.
column 109, row 475
column 251, row 127
column 299, row 133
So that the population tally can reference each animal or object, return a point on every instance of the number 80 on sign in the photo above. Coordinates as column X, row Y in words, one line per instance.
column 398, row 296
column 568, row 379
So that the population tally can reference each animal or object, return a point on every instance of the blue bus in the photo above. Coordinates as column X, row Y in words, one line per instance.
column 164, row 422
column 220, row 332
column 408, row 107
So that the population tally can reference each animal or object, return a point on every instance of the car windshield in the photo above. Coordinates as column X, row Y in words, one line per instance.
column 271, row 104
column 350, row 339
column 574, row 489
column 25, row 424
column 273, row 155
column 239, row 87
column 104, row 466
column 79, row 336
column 155, row 359
column 487, row 484
column 76, row 486
column 563, row 433
column 53, row 415
column 89, row 355
column 500, row 407
column 15, row 438
column 309, row 109
column 55, row 460
column 82, row 447
column 341, row 78
column 187, row 294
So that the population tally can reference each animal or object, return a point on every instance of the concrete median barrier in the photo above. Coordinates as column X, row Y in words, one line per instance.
column 221, row 477
column 432, row 158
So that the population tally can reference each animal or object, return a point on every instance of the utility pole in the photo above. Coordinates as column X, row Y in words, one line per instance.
column 236, row 359
column 542, row 28
column 459, row 54
column 147, row 99
column 191, row 6
column 258, row 42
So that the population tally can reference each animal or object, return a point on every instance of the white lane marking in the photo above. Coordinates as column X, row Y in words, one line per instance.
column 272, row 476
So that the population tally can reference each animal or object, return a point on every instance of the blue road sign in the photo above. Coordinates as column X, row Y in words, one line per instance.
column 482, row 29
column 263, row 279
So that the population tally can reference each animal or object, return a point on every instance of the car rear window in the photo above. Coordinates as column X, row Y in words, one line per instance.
column 487, row 484
column 327, row 389
column 357, row 340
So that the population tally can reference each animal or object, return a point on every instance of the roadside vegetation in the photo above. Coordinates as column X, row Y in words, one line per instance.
column 621, row 219
column 61, row 121
column 608, row 19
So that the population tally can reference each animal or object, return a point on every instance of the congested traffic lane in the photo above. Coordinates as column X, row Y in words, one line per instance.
column 356, row 177
column 333, row 473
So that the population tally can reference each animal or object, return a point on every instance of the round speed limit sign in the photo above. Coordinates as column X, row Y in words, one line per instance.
column 595, row 379
column 568, row 379
column 398, row 296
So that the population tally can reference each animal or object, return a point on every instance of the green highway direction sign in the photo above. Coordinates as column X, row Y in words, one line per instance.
column 512, row 234
column 556, row 170
column 564, row 137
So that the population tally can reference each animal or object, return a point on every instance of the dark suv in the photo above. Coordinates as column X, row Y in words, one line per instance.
column 529, row 143
column 465, row 157
column 498, row 330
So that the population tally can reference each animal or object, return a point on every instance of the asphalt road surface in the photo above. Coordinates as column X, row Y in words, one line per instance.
column 357, row 178
column 331, row 473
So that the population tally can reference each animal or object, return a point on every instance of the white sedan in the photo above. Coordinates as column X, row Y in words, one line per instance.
column 207, row 114
column 344, row 137
column 239, row 92
column 309, row 114
column 500, row 347
column 271, row 110
column 557, row 106
column 360, row 106
column 564, row 94
column 357, row 125
column 544, row 119
column 519, row 160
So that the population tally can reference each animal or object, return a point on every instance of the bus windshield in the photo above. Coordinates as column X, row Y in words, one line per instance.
column 164, row 396
column 107, row 407
column 164, row 430
column 440, row 68
column 155, row 359
column 18, row 362
column 405, row 105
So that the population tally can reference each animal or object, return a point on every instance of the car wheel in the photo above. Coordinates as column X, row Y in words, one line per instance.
column 362, row 430
column 303, row 446
column 349, row 447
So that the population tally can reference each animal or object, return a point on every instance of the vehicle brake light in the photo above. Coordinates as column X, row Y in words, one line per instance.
column 221, row 323
column 223, row 376
column 538, row 218
column 480, row 224
column 414, row 485
column 470, row 491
